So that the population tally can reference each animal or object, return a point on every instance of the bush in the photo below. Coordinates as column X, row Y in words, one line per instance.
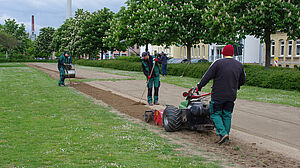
column 25, row 60
column 129, row 58
column 276, row 78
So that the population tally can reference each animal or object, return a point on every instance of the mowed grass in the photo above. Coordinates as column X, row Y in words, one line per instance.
column 42, row 125
column 276, row 96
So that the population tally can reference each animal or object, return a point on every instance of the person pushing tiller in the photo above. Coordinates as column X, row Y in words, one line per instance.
column 64, row 59
column 228, row 76
column 151, row 71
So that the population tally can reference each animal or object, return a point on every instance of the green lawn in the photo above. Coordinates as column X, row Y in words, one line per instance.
column 276, row 96
column 42, row 125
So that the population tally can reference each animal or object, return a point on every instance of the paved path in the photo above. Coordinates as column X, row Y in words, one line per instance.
column 274, row 122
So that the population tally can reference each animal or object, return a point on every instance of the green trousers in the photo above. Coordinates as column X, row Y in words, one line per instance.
column 221, row 114
column 156, row 82
column 62, row 76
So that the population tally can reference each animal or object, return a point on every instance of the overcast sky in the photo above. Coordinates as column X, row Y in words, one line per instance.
column 49, row 12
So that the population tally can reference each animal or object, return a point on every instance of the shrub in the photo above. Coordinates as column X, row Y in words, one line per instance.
column 25, row 60
column 129, row 58
column 276, row 78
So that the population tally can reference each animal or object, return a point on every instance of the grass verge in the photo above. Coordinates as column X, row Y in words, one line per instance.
column 276, row 96
column 42, row 125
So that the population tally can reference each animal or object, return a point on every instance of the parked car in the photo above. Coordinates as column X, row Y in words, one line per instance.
column 177, row 60
column 198, row 60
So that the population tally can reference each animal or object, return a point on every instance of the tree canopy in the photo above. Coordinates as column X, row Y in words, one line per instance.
column 229, row 20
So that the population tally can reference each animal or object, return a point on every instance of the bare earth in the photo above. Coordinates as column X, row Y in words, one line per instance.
column 263, row 135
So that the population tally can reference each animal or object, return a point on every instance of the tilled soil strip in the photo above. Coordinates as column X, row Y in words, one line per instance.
column 247, row 155
column 120, row 103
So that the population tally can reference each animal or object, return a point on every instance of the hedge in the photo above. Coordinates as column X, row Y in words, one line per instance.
column 25, row 60
column 129, row 58
column 276, row 78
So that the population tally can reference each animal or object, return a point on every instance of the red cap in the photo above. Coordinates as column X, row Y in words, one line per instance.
column 228, row 50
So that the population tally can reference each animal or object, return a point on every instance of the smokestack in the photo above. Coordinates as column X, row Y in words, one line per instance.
column 32, row 28
column 69, row 9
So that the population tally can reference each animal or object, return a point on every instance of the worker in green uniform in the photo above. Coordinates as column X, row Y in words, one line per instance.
column 63, row 60
column 147, row 65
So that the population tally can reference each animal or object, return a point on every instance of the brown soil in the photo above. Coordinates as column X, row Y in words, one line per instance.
column 246, row 155
column 120, row 103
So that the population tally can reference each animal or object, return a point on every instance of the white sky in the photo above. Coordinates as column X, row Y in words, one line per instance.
column 49, row 12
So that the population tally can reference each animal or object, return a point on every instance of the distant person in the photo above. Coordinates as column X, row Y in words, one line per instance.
column 164, row 62
column 63, row 60
column 148, row 62
column 228, row 75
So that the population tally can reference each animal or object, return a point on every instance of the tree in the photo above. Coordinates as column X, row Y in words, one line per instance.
column 43, row 41
column 186, row 21
column 8, row 42
column 67, row 36
column 18, row 31
column 146, row 23
column 93, row 32
column 166, row 22
column 259, row 18
column 117, row 33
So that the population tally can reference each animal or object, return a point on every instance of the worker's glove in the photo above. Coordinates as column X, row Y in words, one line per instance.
column 155, row 59
column 149, row 77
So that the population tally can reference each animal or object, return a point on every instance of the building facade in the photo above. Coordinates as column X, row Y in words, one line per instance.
column 287, row 51
column 199, row 51
column 249, row 50
column 131, row 51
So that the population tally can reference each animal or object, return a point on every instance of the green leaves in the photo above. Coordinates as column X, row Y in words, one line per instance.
column 43, row 41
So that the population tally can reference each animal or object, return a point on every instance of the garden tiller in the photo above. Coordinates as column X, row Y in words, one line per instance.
column 193, row 113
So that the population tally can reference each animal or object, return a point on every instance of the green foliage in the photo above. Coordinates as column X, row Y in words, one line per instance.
column 276, row 78
column 129, row 58
column 229, row 19
column 93, row 29
column 22, row 59
column 68, row 36
column 43, row 41
column 7, row 41
column 116, row 33
column 17, row 31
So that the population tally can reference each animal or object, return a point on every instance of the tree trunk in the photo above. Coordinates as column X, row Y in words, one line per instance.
column 147, row 47
column 101, row 55
column 268, row 48
column 189, row 46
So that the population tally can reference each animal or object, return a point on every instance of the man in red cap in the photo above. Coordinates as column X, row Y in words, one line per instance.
column 228, row 75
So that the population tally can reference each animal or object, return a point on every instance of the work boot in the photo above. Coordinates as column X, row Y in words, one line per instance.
column 156, row 103
column 150, row 104
column 223, row 139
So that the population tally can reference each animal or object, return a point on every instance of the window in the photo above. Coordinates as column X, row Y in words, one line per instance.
column 290, row 47
column 298, row 48
column 198, row 51
column 281, row 48
column 273, row 48
column 124, row 54
column 287, row 66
